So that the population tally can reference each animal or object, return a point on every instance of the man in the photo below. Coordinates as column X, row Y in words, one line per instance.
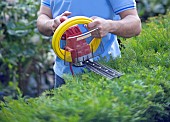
column 111, row 17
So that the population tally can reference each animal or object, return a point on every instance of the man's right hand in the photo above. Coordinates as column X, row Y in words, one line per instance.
column 45, row 22
column 59, row 19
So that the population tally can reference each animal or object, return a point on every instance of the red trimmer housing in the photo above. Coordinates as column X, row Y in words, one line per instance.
column 79, row 48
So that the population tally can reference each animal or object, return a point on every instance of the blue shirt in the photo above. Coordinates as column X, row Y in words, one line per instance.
column 107, row 9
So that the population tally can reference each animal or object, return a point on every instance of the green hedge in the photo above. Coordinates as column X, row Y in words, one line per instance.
column 141, row 94
column 25, row 55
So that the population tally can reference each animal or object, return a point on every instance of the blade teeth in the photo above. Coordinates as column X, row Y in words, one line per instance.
column 102, row 70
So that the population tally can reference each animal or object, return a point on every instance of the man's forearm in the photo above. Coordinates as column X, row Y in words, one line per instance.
column 127, row 27
column 44, row 25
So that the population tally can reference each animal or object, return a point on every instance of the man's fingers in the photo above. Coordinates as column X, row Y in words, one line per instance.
column 66, row 13
column 59, row 19
column 94, row 17
column 56, row 21
column 96, row 33
column 55, row 24
column 92, row 24
column 63, row 18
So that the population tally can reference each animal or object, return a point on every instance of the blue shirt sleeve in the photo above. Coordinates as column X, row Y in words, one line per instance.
column 122, row 5
column 45, row 3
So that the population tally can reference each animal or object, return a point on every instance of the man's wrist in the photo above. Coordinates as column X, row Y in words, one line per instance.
column 113, row 26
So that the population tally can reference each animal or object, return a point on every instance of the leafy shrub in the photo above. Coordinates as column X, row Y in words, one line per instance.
column 22, row 49
column 141, row 94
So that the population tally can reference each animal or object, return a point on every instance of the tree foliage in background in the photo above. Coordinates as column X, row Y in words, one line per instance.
column 24, row 53
column 149, row 8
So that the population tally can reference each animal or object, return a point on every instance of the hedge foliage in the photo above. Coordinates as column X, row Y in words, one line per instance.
column 141, row 94
column 25, row 55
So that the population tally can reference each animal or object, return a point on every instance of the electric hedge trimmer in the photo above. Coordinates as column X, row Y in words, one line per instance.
column 77, row 51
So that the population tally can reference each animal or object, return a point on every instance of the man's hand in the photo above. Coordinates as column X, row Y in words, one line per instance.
column 58, row 20
column 128, row 26
column 46, row 25
column 101, row 24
